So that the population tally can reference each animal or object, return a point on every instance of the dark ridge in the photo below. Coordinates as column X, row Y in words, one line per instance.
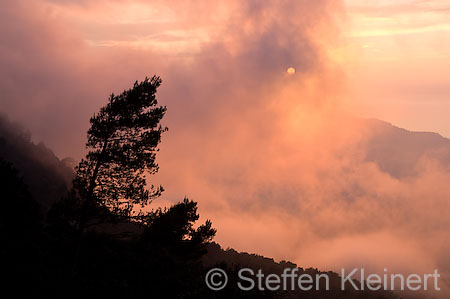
column 47, row 177
column 398, row 151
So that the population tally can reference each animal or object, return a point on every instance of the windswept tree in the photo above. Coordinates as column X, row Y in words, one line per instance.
column 122, row 145
column 163, row 251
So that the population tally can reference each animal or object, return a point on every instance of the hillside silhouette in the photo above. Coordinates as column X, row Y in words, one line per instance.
column 47, row 177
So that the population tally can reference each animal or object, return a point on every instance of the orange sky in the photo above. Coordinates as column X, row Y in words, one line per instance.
column 401, row 66
column 395, row 54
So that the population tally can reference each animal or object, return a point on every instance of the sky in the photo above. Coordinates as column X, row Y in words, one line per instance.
column 275, row 160
column 401, row 70
column 393, row 55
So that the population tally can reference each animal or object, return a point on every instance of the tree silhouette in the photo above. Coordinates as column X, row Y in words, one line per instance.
column 122, row 144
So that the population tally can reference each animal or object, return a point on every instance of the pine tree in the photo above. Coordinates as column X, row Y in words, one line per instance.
column 122, row 145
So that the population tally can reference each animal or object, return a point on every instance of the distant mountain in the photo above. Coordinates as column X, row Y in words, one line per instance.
column 397, row 151
column 47, row 177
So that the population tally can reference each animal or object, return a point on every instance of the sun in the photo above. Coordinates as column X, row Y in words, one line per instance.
column 290, row 71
